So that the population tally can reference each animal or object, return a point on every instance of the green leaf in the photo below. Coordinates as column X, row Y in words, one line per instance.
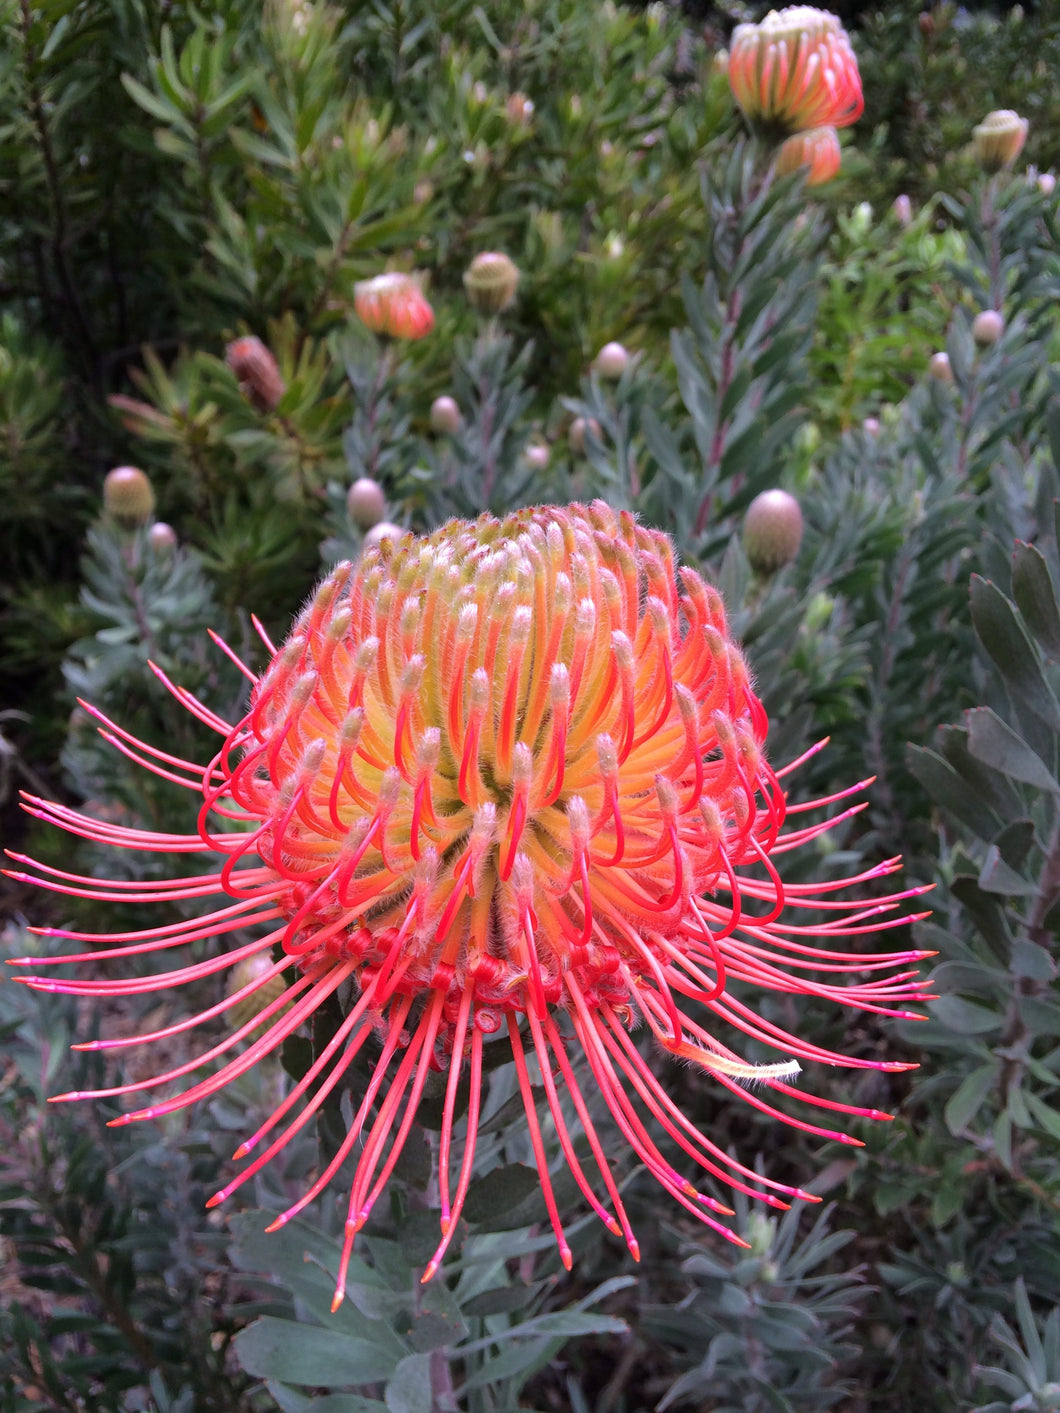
column 496, row 1195
column 994, row 742
column 1004, row 637
column 963, row 1016
column 997, row 877
column 1032, row 961
column 1035, row 597
column 970, row 1095
column 307, row 1354
column 409, row 1390
column 947, row 789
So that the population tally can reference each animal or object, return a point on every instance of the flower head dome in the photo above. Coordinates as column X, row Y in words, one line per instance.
column 796, row 70
column 506, row 780
column 394, row 304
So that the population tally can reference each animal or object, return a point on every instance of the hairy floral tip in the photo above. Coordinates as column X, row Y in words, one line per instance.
column 999, row 139
column 817, row 150
column 772, row 530
column 366, row 502
column 259, row 376
column 504, row 785
column 491, row 281
column 795, row 70
column 394, row 304
column 128, row 496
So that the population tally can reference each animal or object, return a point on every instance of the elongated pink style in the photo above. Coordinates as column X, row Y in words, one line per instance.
column 509, row 781
column 394, row 304
column 796, row 70
column 817, row 150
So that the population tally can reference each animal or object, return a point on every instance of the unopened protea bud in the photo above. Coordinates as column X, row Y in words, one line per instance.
column 580, row 431
column 816, row 150
column 254, row 983
column 162, row 537
column 1046, row 183
column 940, row 367
column 385, row 530
column 871, row 426
column 520, row 110
column 491, row 281
column 445, row 415
column 366, row 502
column 772, row 530
column 903, row 209
column 612, row 361
column 393, row 304
column 537, row 455
column 795, row 70
column 987, row 327
column 128, row 496
column 999, row 139
column 259, row 376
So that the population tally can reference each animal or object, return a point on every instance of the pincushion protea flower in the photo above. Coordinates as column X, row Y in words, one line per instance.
column 509, row 777
column 796, row 70
column 394, row 304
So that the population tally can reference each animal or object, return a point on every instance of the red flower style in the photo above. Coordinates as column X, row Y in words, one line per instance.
column 817, row 150
column 394, row 304
column 796, row 70
column 507, row 778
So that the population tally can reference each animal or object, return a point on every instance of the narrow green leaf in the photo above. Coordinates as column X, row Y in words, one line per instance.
column 994, row 742
column 1032, row 588
column 409, row 1390
column 1003, row 635
column 963, row 1016
column 307, row 1354
column 970, row 1095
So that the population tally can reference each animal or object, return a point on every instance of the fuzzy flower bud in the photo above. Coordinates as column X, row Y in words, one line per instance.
column 939, row 367
column 999, row 139
column 445, row 415
column 795, row 70
column 393, row 304
column 612, row 361
column 128, row 496
column 537, row 455
column 162, row 537
column 871, row 426
column 903, row 209
column 520, row 110
column 491, row 281
column 987, row 327
column 580, row 431
column 816, row 150
column 385, row 530
column 365, row 502
column 1046, row 183
column 772, row 530
column 257, row 371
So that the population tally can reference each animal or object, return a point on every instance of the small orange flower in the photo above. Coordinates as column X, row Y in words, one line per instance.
column 817, row 150
column 796, row 70
column 394, row 304
column 508, row 780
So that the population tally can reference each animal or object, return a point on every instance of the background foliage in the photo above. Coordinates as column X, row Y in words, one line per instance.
column 174, row 176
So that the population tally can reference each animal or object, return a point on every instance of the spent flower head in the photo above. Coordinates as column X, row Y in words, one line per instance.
column 795, row 70
column 506, row 784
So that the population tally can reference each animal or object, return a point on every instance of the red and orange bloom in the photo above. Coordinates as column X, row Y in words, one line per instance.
column 509, row 781
column 796, row 70
column 817, row 150
column 394, row 304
